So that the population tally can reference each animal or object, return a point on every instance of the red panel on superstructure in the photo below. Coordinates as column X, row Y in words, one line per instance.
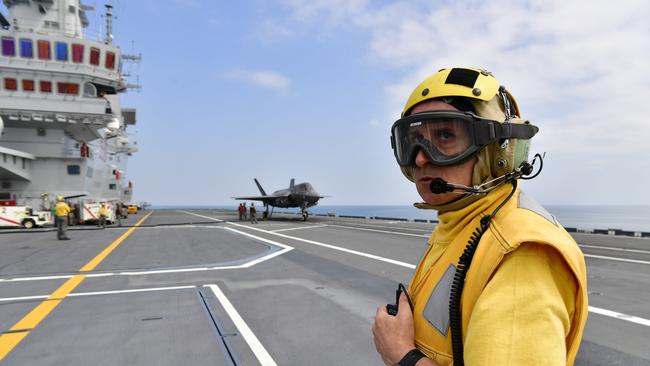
column 28, row 85
column 110, row 60
column 78, row 53
column 44, row 50
column 94, row 56
column 46, row 86
column 11, row 84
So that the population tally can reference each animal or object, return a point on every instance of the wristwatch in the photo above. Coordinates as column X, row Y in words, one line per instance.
column 411, row 358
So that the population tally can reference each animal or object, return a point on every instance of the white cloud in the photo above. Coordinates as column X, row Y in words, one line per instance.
column 267, row 79
column 579, row 67
column 578, row 70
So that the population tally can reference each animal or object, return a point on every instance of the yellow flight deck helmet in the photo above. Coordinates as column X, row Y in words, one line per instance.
column 59, row 198
column 500, row 138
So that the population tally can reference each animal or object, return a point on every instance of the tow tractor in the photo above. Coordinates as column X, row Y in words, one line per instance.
column 24, row 216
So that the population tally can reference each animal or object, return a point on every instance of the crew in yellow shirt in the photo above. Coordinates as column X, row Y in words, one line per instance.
column 501, row 283
column 103, row 215
column 62, row 210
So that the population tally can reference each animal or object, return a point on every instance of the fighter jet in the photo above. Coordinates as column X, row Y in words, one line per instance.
column 300, row 195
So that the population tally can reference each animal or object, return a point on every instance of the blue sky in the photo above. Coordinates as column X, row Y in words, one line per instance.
column 309, row 89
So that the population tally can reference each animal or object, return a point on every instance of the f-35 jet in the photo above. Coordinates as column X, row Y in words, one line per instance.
column 300, row 195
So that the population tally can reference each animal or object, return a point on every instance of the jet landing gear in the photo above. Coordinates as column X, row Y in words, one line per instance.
column 305, row 214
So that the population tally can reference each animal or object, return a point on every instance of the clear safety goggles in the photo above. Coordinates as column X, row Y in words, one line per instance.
column 450, row 137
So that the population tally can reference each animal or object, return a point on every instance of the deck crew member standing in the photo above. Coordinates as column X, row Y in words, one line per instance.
column 253, row 213
column 61, row 210
column 501, row 282
column 103, row 214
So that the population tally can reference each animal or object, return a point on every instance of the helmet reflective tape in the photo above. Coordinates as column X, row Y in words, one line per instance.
column 459, row 82
column 449, row 137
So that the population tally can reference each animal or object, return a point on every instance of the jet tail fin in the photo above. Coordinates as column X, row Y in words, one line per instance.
column 259, row 187
column 291, row 183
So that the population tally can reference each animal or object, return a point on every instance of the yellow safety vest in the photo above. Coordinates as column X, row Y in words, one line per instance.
column 62, row 209
column 521, row 220
column 103, row 211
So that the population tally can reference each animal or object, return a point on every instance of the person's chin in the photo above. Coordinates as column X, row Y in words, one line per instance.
column 433, row 198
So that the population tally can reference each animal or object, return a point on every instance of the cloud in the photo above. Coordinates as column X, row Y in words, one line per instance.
column 577, row 69
column 271, row 31
column 267, row 79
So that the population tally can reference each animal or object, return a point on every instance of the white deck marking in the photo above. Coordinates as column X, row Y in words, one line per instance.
column 613, row 314
column 379, row 231
column 390, row 227
column 285, row 248
column 616, row 259
column 300, row 228
column 593, row 309
column 256, row 346
column 330, row 246
column 616, row 249
column 195, row 214
column 96, row 293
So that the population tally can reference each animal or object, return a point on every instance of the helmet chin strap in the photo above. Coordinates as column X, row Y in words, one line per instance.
column 525, row 170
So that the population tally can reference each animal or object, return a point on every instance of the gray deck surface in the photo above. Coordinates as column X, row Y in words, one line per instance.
column 307, row 291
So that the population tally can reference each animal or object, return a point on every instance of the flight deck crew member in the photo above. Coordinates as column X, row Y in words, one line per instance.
column 253, row 213
column 103, row 214
column 501, row 282
column 61, row 210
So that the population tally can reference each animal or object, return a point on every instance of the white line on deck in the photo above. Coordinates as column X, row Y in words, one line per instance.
column 379, row 231
column 330, row 246
column 593, row 309
column 616, row 249
column 96, row 293
column 195, row 214
column 299, row 228
column 389, row 227
column 616, row 259
column 285, row 248
column 256, row 346
column 621, row 316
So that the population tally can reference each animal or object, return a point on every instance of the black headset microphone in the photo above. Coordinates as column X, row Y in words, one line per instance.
column 440, row 186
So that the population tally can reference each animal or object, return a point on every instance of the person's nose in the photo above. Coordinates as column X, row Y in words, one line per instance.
column 421, row 159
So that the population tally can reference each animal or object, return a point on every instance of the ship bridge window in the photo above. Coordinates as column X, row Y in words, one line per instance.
column 5, row 196
column 94, row 56
column 67, row 88
column 61, row 49
column 46, row 86
column 43, row 50
column 110, row 60
column 78, row 53
column 112, row 186
column 11, row 84
column 26, row 48
column 74, row 169
column 8, row 46
column 28, row 85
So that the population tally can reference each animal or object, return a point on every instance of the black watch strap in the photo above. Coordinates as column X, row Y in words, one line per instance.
column 411, row 358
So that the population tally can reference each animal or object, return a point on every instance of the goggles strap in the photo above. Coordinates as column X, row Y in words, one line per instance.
column 509, row 130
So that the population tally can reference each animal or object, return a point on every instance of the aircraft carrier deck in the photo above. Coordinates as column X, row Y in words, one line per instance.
column 201, row 288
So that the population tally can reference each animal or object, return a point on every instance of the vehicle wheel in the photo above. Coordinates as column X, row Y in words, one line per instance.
column 28, row 224
column 305, row 216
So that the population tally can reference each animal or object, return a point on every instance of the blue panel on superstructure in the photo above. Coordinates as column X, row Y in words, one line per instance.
column 26, row 48
column 8, row 46
column 61, row 51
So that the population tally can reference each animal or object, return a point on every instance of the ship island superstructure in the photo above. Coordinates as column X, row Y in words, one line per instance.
column 64, row 131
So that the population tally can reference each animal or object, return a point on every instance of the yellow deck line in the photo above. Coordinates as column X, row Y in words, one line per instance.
column 30, row 321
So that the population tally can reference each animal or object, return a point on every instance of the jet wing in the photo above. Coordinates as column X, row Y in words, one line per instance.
column 259, row 198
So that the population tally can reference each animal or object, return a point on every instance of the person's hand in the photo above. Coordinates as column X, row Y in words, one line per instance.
column 394, row 335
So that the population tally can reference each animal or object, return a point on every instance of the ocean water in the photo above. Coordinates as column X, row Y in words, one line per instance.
column 632, row 218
